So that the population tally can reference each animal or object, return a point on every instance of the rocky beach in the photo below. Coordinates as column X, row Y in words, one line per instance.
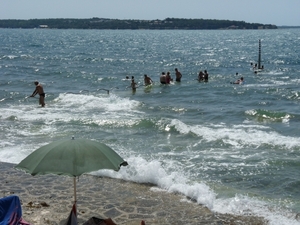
column 48, row 199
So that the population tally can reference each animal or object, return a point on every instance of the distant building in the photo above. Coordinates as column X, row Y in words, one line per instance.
column 43, row 26
column 232, row 27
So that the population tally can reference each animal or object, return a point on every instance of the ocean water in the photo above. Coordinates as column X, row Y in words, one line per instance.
column 233, row 148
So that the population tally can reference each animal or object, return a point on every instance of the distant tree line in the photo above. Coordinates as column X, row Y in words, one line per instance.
column 101, row 23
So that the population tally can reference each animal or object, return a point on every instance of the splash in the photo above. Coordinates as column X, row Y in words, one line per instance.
column 154, row 172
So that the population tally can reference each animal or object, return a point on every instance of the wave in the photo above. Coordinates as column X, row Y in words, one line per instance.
column 172, row 180
column 239, row 136
column 153, row 172
column 261, row 115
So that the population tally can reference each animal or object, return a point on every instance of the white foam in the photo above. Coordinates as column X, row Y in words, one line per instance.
column 36, row 121
column 250, row 206
column 153, row 171
column 251, row 135
column 9, row 149
column 68, row 107
column 142, row 171
column 101, row 102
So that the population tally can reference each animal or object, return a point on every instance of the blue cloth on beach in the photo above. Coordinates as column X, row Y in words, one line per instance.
column 11, row 211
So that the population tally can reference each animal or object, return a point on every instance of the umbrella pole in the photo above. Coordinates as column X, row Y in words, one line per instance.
column 75, row 197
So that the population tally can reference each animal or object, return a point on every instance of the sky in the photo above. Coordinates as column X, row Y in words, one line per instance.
column 277, row 12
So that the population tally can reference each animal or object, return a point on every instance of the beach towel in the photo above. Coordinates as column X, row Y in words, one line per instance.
column 11, row 211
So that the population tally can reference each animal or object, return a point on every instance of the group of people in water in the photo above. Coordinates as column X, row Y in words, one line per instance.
column 203, row 76
column 238, row 81
column 165, row 78
column 256, row 67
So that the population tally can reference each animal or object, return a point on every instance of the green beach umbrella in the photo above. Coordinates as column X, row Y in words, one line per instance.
column 71, row 157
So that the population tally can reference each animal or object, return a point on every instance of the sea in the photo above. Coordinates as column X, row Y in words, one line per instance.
column 233, row 148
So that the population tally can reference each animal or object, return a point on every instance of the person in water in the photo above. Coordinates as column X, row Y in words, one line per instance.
column 205, row 76
column 178, row 75
column 133, row 85
column 239, row 81
column 39, row 90
column 168, row 78
column 163, row 78
column 255, row 66
column 201, row 76
column 147, row 80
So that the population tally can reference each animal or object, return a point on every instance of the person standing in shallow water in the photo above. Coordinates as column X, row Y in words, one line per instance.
column 201, row 76
column 39, row 90
column 147, row 80
column 205, row 76
column 133, row 85
column 162, row 78
column 168, row 78
column 178, row 75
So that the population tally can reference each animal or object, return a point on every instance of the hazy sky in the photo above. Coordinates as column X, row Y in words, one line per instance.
column 278, row 12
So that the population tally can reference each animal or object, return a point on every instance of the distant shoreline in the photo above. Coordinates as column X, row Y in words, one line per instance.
column 116, row 24
column 288, row 27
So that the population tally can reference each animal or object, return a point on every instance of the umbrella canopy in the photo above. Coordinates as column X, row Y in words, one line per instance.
column 71, row 157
